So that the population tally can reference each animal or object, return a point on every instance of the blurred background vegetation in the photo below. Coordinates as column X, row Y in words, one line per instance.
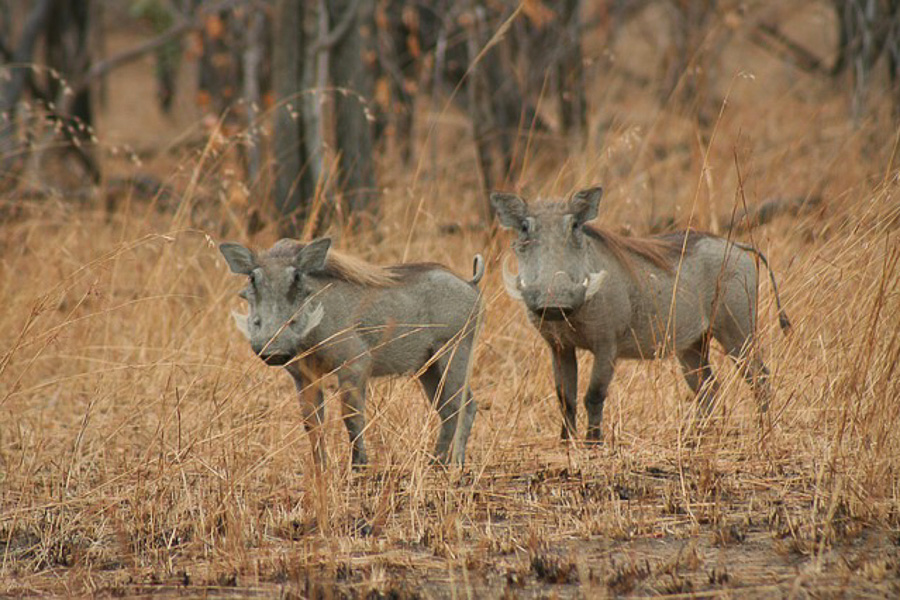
column 313, row 96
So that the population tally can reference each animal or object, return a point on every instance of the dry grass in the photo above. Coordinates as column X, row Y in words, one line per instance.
column 144, row 449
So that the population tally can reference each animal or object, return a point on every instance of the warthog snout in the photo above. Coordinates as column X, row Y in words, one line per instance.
column 275, row 359
column 557, row 299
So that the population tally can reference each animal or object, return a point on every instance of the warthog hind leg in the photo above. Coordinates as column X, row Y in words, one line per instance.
column 742, row 349
column 444, row 383
column 433, row 386
column 353, row 406
column 756, row 374
column 699, row 375
column 464, row 427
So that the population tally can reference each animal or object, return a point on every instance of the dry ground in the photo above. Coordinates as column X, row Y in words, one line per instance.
column 143, row 449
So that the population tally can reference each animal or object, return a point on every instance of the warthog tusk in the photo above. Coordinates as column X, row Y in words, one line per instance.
column 240, row 321
column 512, row 283
column 313, row 318
column 592, row 283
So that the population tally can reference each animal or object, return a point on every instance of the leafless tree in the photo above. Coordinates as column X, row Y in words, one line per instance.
column 353, row 83
column 294, row 187
column 18, row 57
column 549, row 37
column 868, row 29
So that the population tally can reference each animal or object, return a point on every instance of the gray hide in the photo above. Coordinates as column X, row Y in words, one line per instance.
column 579, row 292
column 313, row 316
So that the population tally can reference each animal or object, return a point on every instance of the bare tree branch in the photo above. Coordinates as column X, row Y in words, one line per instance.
column 7, row 54
column 772, row 39
column 340, row 29
column 103, row 67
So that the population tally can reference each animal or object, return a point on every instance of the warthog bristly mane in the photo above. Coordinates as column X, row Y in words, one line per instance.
column 662, row 251
column 345, row 267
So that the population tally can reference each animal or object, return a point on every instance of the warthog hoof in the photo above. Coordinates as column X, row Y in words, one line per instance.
column 594, row 437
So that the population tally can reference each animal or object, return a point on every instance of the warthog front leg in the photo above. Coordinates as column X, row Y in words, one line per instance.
column 565, row 373
column 312, row 406
column 601, row 375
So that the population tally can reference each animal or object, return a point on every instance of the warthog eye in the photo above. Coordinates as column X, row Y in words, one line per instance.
column 297, row 278
column 525, row 227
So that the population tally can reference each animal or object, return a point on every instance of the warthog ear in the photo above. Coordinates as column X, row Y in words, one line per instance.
column 240, row 259
column 312, row 256
column 511, row 209
column 583, row 204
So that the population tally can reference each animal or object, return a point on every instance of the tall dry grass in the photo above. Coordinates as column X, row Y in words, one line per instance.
column 143, row 447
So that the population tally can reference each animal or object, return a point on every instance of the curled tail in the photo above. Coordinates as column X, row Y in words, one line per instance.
column 477, row 270
column 783, row 320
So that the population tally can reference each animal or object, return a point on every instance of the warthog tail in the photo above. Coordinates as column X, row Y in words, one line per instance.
column 477, row 269
column 783, row 320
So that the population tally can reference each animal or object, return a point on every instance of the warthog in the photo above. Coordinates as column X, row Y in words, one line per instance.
column 621, row 297
column 315, row 311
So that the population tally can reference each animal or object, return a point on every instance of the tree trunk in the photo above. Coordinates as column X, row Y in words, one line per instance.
column 840, row 61
column 688, row 61
column 480, row 109
column 496, row 105
column 294, row 187
column 860, row 17
column 353, row 135
column 253, row 59
column 67, row 45
column 892, row 48
column 315, row 86
column 868, row 28
column 11, row 88
column 570, row 70
column 398, row 65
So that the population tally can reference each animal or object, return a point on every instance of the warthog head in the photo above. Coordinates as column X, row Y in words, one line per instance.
column 555, row 277
column 282, row 305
